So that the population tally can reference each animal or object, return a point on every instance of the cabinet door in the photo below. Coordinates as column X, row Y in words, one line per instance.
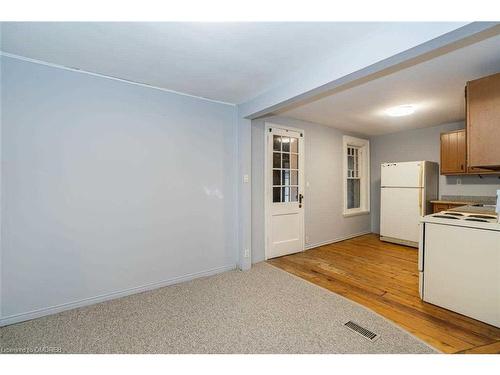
column 453, row 152
column 483, row 122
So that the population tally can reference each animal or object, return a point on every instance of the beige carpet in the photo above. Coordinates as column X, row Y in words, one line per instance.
column 265, row 310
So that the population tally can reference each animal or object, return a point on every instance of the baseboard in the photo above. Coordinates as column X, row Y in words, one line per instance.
column 338, row 239
column 11, row 319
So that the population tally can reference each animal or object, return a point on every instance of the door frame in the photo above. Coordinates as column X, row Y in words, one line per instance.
column 267, row 180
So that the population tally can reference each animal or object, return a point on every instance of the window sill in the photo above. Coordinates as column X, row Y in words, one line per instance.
column 355, row 213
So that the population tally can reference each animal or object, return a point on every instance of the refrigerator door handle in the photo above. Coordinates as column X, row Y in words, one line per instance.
column 420, row 175
column 420, row 205
column 420, row 198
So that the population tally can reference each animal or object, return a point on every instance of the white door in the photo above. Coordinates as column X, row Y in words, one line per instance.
column 407, row 174
column 400, row 211
column 284, row 192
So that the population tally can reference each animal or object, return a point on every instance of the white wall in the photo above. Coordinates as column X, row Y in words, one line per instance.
column 109, row 186
column 422, row 144
column 323, row 198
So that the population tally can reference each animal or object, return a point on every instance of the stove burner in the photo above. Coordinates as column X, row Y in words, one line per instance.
column 483, row 216
column 446, row 217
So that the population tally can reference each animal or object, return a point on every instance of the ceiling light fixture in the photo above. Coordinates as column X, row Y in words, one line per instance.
column 400, row 110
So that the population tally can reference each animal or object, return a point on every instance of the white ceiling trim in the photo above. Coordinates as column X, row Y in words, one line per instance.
column 52, row 65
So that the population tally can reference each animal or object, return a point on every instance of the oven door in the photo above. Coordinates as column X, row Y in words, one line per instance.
column 462, row 270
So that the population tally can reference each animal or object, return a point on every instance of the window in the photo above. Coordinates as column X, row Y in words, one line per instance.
column 285, row 169
column 353, row 178
column 356, row 176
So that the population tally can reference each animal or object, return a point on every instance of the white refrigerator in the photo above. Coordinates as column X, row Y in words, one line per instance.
column 406, row 191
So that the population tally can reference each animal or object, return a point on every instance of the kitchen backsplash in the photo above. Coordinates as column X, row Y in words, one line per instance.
column 470, row 198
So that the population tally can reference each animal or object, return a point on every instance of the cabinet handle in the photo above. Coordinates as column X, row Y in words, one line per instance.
column 461, row 167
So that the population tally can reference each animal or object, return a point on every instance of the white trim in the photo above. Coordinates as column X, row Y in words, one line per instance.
column 16, row 318
column 364, row 146
column 267, row 191
column 338, row 239
column 77, row 70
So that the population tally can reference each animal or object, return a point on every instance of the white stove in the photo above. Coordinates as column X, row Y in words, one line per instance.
column 459, row 263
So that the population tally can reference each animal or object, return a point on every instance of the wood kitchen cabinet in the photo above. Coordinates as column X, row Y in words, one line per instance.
column 438, row 207
column 483, row 123
column 453, row 153
column 476, row 149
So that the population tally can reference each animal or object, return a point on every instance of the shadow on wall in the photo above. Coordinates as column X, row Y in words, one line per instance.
column 473, row 180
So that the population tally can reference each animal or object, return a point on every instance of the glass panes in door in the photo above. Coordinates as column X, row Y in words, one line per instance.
column 285, row 169
column 353, row 178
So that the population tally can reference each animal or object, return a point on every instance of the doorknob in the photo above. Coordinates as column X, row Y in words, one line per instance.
column 300, row 200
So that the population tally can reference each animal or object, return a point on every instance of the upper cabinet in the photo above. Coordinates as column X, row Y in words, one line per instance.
column 476, row 149
column 483, row 124
column 453, row 155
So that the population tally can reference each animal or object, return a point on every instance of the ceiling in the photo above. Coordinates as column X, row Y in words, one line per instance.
column 435, row 87
column 229, row 62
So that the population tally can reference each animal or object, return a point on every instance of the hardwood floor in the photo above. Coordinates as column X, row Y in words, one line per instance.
column 384, row 278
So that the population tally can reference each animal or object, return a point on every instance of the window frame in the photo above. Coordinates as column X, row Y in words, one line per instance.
column 293, row 168
column 363, row 146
